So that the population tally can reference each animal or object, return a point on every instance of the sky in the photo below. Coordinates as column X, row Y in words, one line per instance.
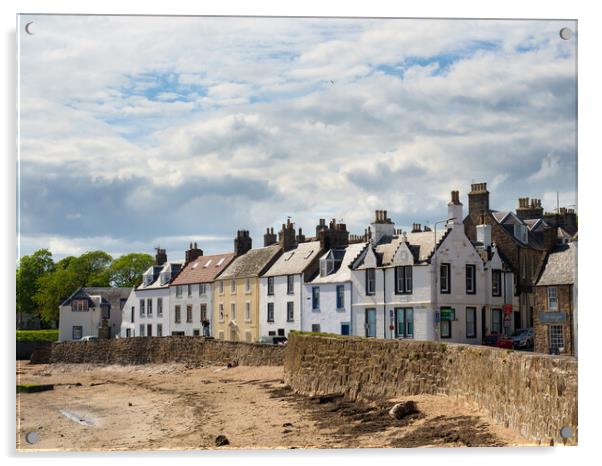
column 137, row 132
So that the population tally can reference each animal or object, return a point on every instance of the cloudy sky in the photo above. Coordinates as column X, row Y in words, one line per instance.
column 144, row 131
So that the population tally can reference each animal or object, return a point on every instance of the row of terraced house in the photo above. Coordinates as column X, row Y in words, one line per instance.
column 458, row 281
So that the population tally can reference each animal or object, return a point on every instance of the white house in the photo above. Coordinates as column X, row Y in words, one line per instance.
column 191, row 293
column 92, row 312
column 146, row 312
column 427, row 285
column 282, row 291
column 327, row 306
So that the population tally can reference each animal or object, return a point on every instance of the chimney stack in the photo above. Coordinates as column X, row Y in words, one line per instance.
column 526, row 211
column 455, row 209
column 192, row 253
column 286, row 237
column 160, row 256
column 416, row 228
column 269, row 237
column 478, row 200
column 333, row 236
column 300, row 237
column 242, row 242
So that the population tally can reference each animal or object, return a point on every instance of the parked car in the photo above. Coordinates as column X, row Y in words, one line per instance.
column 89, row 338
column 523, row 339
column 498, row 340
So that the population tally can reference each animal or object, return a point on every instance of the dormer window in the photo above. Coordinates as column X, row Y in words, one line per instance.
column 521, row 232
column 327, row 266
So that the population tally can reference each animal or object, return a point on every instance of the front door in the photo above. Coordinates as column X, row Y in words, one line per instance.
column 483, row 323
column 371, row 323
column 149, row 330
column 404, row 322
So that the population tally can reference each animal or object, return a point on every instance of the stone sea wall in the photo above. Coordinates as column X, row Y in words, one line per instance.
column 533, row 394
column 155, row 350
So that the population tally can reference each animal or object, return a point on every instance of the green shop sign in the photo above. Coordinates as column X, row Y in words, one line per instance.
column 448, row 314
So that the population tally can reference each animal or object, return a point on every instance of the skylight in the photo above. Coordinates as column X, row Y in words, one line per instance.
column 220, row 262
column 308, row 254
column 290, row 254
column 208, row 263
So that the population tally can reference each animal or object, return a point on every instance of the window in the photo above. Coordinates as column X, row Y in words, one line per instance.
column 445, row 279
column 160, row 307
column 189, row 290
column 248, row 285
column 556, row 336
column 196, row 332
column 552, row 297
column 496, row 282
column 471, row 277
column 315, row 298
column 220, row 315
column 496, row 321
column 149, row 330
column 270, row 286
column 202, row 289
column 340, row 297
column 178, row 291
column 128, row 333
column 79, row 305
column 247, row 311
column 290, row 311
column 233, row 286
column 446, row 328
column 290, row 284
column 159, row 330
column 370, row 281
column 133, row 310
column 149, row 307
column 189, row 313
column 141, row 330
column 177, row 314
column 142, row 308
column 220, row 335
column 315, row 328
column 471, row 322
column 76, row 332
column 404, row 327
column 221, row 287
column 270, row 312
column 233, row 311
column 403, row 279
column 203, row 312
column 345, row 328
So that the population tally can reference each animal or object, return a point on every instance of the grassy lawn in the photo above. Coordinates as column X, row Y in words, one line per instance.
column 33, row 388
column 38, row 335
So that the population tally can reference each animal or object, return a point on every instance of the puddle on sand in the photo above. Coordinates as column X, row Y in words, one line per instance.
column 77, row 418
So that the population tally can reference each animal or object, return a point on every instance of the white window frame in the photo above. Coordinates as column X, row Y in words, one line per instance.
column 149, row 307
column 556, row 336
column 471, row 278
column 220, row 312
column 315, row 298
column 248, row 285
column 290, row 311
column 290, row 284
column 270, row 313
column 177, row 314
column 552, row 300
column 233, row 286
column 471, row 311
column 248, row 311
column 189, row 313
column 159, row 307
column 270, row 286
column 370, row 282
column 232, row 311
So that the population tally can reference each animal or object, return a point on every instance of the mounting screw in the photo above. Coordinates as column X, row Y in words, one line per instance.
column 566, row 33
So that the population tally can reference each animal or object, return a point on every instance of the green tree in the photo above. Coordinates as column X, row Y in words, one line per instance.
column 30, row 269
column 126, row 271
column 90, row 269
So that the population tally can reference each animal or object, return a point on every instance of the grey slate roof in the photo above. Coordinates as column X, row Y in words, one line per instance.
column 421, row 244
column 108, row 295
column 296, row 260
column 560, row 267
column 343, row 273
column 252, row 263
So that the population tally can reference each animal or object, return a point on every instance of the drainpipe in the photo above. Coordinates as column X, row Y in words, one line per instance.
column 385, row 301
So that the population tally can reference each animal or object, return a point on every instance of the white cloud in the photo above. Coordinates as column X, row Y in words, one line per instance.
column 416, row 109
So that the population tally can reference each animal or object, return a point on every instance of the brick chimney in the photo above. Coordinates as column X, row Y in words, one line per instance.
column 300, row 237
column 269, row 237
column 416, row 228
column 193, row 252
column 335, row 235
column 526, row 211
column 478, row 199
column 550, row 238
column 160, row 256
column 242, row 242
column 286, row 236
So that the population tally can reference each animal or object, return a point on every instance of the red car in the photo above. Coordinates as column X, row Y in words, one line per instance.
column 498, row 340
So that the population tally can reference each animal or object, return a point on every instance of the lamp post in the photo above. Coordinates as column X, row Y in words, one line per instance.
column 435, row 271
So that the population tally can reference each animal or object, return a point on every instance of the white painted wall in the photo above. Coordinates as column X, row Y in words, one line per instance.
column 134, row 302
column 89, row 321
column 328, row 317
column 280, row 298
column 195, row 299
